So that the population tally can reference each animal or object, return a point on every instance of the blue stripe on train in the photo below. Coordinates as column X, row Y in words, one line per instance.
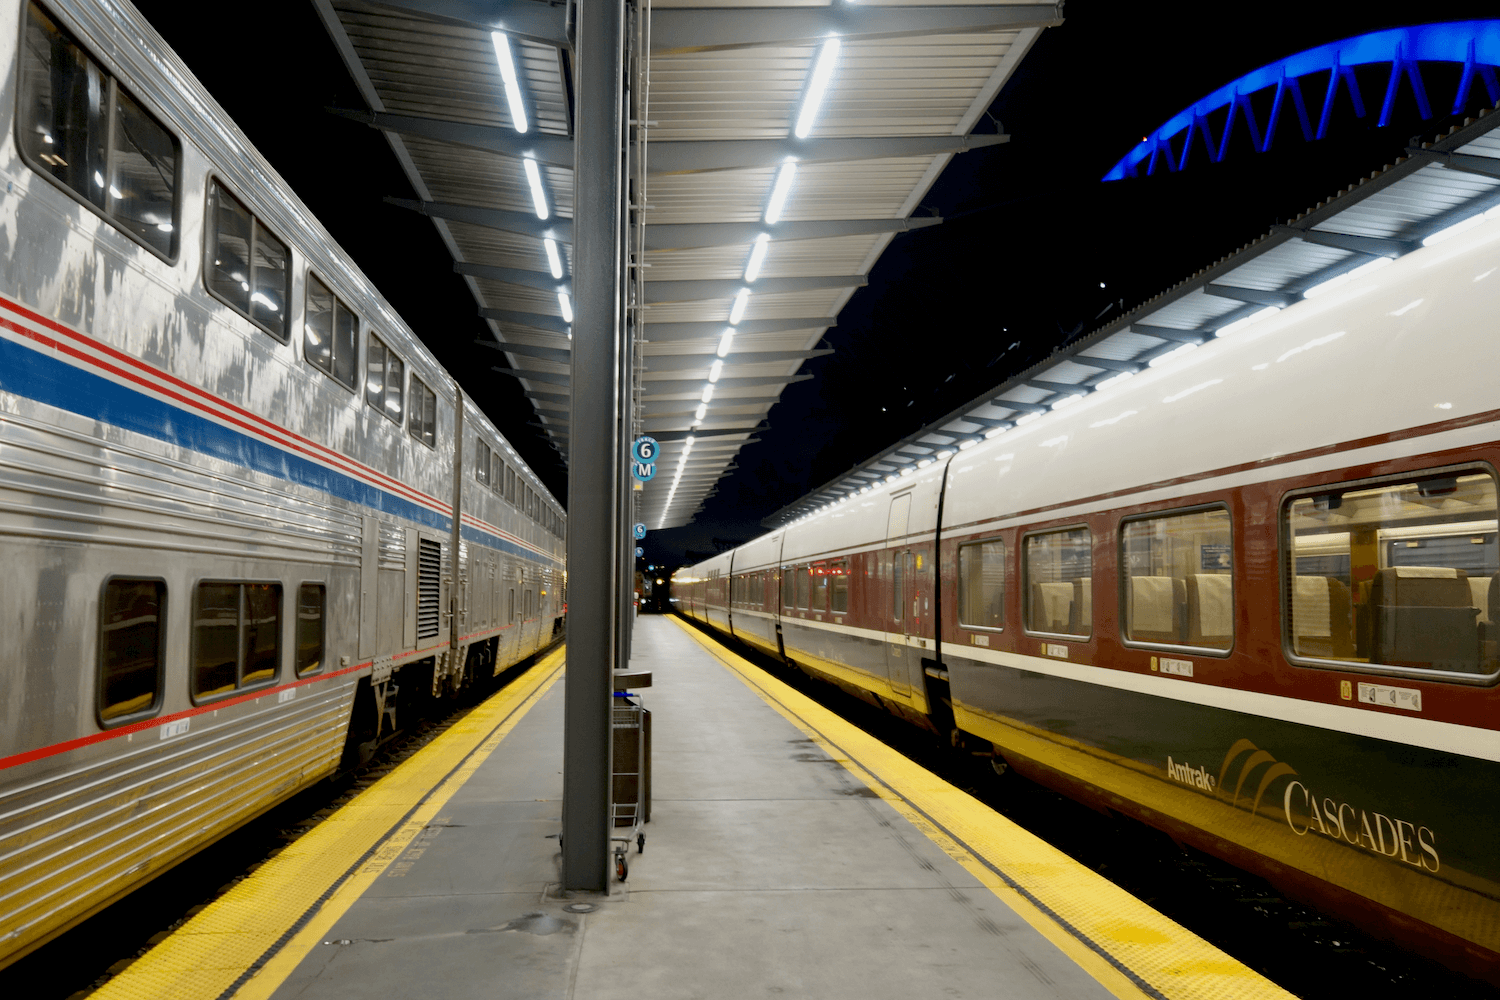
column 53, row 382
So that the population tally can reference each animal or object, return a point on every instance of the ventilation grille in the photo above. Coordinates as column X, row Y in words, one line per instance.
column 429, row 588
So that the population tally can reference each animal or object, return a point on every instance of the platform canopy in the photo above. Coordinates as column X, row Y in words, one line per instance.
column 784, row 148
column 1435, row 190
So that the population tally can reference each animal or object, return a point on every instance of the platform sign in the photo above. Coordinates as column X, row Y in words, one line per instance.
column 643, row 471
column 639, row 552
column 640, row 530
column 646, row 449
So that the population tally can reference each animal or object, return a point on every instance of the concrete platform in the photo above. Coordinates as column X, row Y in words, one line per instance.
column 787, row 856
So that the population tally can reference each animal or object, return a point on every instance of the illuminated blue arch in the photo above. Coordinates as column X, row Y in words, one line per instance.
column 1475, row 44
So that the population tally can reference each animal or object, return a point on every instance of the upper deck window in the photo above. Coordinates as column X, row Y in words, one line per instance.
column 384, row 377
column 329, row 331
column 79, row 127
column 423, row 423
column 248, row 267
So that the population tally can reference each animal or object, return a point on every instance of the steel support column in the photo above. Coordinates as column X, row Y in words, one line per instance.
column 596, row 450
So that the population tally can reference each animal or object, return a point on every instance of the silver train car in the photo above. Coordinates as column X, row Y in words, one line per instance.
column 246, row 520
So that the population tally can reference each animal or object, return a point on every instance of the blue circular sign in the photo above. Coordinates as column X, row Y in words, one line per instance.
column 640, row 530
column 646, row 449
column 639, row 551
column 643, row 471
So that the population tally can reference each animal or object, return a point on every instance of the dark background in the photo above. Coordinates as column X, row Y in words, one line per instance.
column 949, row 312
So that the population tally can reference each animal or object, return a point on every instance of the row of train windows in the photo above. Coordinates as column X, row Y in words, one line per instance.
column 79, row 127
column 1403, row 573
column 490, row 470
column 236, row 641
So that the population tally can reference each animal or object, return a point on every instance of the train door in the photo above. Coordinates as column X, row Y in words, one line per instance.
column 902, row 581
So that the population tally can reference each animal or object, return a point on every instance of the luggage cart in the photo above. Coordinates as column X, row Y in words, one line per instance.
column 629, row 801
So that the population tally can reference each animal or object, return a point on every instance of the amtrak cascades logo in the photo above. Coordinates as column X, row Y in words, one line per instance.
column 1245, row 781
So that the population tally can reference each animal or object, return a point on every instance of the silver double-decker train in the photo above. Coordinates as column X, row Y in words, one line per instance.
column 246, row 519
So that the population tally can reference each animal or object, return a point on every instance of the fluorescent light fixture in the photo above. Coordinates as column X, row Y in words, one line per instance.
column 757, row 256
column 822, row 75
column 1172, row 355
column 780, row 190
column 1114, row 380
column 944, row 455
column 716, row 370
column 708, row 394
column 1455, row 229
column 1025, row 419
column 1255, row 317
column 1348, row 276
column 538, row 193
column 1067, row 400
column 966, row 445
column 906, row 471
column 566, row 304
column 924, row 463
column 512, row 85
column 702, row 411
column 554, row 259
column 724, row 341
column 737, row 311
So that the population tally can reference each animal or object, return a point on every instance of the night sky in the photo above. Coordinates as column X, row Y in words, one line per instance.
column 1017, row 268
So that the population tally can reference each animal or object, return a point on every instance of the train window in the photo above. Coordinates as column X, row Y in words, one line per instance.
column 236, row 636
column 385, row 374
column 248, row 267
column 311, row 600
column 1177, row 580
column 981, row 584
column 423, row 422
column 838, row 587
column 510, row 485
column 819, row 588
column 131, row 618
column 81, row 129
column 802, row 586
column 1059, row 581
column 512, row 616
column 482, row 462
column 1403, row 573
column 328, row 333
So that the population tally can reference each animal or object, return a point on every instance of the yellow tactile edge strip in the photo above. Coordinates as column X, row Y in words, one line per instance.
column 1131, row 949
column 247, row 942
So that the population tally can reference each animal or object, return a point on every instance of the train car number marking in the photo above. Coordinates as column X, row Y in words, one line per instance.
column 283, row 697
column 1391, row 697
column 177, row 728
column 1177, row 668
column 980, row 640
column 1055, row 649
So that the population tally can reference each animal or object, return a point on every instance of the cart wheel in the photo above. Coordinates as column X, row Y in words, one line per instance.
column 622, row 869
column 640, row 843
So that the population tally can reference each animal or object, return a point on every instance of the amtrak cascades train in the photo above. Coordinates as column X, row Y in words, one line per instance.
column 246, row 521
column 1250, row 597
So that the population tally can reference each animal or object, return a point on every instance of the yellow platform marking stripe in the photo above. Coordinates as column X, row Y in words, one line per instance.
column 1131, row 949
column 248, row 941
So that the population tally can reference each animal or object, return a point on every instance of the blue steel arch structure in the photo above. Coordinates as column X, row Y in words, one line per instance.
column 1473, row 44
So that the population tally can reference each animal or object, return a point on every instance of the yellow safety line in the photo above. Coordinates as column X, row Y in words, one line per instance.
column 248, row 941
column 1131, row 949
